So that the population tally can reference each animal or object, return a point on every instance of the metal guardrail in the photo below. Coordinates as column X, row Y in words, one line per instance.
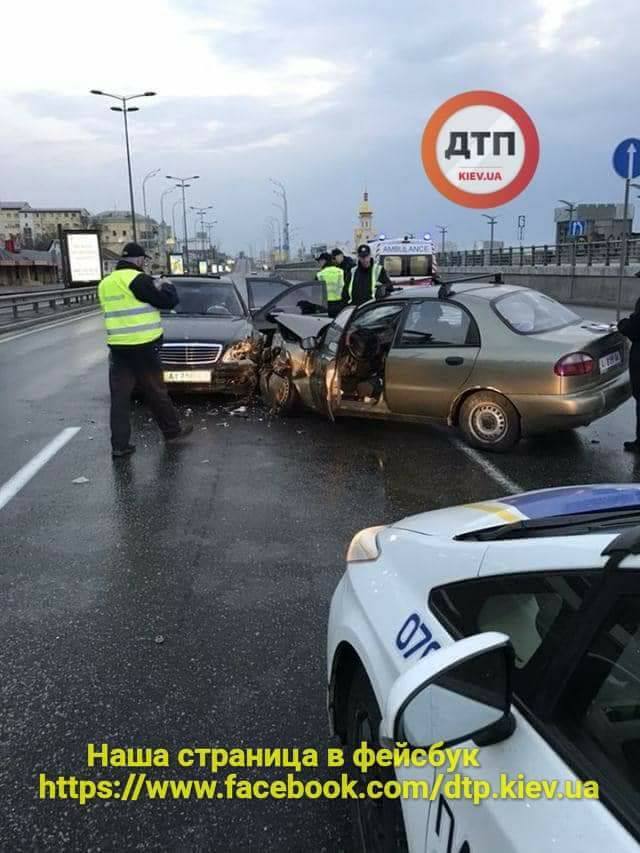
column 55, row 299
column 586, row 253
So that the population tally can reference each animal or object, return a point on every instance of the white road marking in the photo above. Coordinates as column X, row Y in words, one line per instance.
column 4, row 339
column 488, row 467
column 19, row 480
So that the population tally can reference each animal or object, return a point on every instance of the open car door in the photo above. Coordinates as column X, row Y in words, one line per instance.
column 305, row 298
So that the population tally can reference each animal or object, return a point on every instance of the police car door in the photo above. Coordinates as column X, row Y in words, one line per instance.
column 542, row 612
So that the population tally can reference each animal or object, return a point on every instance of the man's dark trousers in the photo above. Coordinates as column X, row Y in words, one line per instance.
column 138, row 367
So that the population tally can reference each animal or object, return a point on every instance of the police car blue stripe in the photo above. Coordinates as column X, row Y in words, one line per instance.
column 572, row 499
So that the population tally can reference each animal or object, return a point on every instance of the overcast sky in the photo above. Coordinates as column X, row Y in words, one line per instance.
column 325, row 96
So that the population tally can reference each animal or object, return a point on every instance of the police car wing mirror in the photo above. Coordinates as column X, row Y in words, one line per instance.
column 453, row 694
column 309, row 344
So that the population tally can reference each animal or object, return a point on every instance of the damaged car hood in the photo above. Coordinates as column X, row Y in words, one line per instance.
column 303, row 326
column 205, row 329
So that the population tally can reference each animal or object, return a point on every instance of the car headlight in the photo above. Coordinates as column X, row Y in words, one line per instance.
column 240, row 351
column 364, row 546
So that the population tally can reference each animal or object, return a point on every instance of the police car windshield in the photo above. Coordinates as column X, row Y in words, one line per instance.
column 210, row 298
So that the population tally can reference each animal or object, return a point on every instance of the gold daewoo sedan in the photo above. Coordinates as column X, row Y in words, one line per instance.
column 497, row 361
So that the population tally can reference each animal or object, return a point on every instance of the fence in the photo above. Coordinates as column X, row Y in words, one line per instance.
column 586, row 253
column 14, row 304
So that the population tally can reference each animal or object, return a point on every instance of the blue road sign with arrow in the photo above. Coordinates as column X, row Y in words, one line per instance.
column 626, row 158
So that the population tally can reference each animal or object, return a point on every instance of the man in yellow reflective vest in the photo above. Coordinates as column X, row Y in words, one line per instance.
column 333, row 279
column 131, row 301
column 369, row 280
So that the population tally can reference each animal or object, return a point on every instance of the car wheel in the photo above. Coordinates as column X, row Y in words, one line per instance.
column 378, row 826
column 279, row 392
column 490, row 422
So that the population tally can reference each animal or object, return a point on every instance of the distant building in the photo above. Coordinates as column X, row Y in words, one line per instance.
column 479, row 245
column 30, row 227
column 116, row 229
column 27, row 267
column 595, row 222
column 364, row 232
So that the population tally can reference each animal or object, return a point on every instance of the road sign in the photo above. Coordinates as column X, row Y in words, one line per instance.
column 577, row 227
column 626, row 158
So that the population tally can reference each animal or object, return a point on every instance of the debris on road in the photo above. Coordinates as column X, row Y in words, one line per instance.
column 79, row 481
column 240, row 412
column 159, row 639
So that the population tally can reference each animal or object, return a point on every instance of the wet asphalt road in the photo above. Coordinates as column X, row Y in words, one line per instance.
column 229, row 549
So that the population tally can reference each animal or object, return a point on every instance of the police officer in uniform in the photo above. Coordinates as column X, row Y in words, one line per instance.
column 130, row 300
column 368, row 280
column 333, row 279
column 345, row 263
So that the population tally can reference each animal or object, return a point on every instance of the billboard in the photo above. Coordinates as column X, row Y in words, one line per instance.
column 176, row 264
column 84, row 259
column 202, row 267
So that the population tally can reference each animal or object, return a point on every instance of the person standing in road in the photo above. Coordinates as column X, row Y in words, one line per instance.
column 368, row 280
column 130, row 301
column 630, row 328
column 333, row 279
column 345, row 263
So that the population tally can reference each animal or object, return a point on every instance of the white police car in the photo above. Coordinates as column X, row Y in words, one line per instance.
column 545, row 586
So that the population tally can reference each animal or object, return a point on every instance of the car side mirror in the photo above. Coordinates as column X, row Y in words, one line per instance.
column 456, row 693
column 271, row 316
column 309, row 344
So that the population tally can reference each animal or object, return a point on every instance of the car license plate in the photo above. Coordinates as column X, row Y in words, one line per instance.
column 612, row 359
column 187, row 376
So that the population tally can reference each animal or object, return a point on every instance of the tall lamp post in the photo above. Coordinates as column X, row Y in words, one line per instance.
column 443, row 230
column 281, row 191
column 492, row 222
column 173, row 220
column 201, row 212
column 147, row 177
column 570, row 207
column 209, row 226
column 182, row 184
column 124, row 109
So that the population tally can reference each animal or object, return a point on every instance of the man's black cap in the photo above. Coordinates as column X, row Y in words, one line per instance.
column 336, row 252
column 134, row 250
column 364, row 250
column 324, row 256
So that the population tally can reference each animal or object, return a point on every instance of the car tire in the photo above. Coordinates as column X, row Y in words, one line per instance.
column 490, row 422
column 377, row 825
column 279, row 393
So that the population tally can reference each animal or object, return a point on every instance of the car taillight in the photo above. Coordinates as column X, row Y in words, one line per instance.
column 575, row 364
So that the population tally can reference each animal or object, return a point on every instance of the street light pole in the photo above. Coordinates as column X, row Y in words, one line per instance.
column 201, row 211
column 209, row 226
column 149, row 175
column 492, row 222
column 124, row 109
column 182, row 184
column 570, row 206
column 443, row 230
column 281, row 191
column 173, row 221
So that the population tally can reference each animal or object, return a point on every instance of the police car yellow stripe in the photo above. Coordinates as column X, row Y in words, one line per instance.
column 498, row 509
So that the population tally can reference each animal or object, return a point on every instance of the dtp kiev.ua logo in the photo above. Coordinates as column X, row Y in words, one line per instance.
column 480, row 149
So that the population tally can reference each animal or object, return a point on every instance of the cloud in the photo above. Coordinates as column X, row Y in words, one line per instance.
column 326, row 97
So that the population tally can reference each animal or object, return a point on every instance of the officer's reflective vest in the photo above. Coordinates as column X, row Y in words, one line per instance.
column 374, row 270
column 127, row 320
column 333, row 278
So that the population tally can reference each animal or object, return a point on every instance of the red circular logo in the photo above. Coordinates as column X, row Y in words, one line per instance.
column 480, row 149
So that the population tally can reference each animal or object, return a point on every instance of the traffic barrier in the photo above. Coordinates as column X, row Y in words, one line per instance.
column 14, row 306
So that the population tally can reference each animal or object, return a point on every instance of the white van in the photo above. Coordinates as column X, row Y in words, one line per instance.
column 407, row 260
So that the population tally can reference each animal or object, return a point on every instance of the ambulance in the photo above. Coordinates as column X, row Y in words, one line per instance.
column 407, row 260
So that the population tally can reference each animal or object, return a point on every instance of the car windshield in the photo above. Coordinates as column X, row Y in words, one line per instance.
column 527, row 312
column 213, row 298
